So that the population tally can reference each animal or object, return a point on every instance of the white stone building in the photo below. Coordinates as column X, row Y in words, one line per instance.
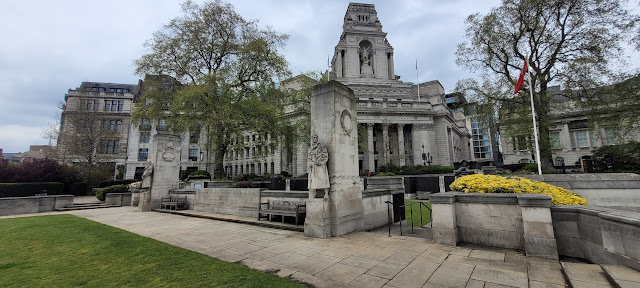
column 403, row 121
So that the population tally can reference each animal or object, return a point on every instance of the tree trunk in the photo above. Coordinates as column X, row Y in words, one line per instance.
column 544, row 122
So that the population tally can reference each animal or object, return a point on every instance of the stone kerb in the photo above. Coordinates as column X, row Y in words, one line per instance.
column 515, row 221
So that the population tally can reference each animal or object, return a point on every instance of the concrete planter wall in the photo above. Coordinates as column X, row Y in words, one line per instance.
column 120, row 199
column 600, row 235
column 232, row 201
column 515, row 221
column 33, row 204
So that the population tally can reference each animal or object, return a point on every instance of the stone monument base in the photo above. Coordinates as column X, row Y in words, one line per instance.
column 317, row 222
column 346, row 211
column 145, row 201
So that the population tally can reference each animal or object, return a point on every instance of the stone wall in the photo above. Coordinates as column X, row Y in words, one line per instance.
column 376, row 212
column 33, row 204
column 190, row 193
column 600, row 235
column 120, row 199
column 610, row 190
column 515, row 221
column 232, row 201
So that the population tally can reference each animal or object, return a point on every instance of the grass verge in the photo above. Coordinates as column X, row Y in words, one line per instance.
column 426, row 218
column 67, row 251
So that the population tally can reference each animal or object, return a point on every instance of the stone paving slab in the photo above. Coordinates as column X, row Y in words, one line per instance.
column 360, row 259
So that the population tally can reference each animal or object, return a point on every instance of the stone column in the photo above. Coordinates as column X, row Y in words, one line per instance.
column 445, row 225
column 165, row 154
column 371, row 152
column 385, row 143
column 401, row 153
column 419, row 134
column 565, row 137
column 333, row 119
column 539, row 239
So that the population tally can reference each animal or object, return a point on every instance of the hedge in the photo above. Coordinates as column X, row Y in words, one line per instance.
column 76, row 189
column 30, row 189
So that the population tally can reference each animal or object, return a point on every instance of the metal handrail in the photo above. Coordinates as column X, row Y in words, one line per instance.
column 390, row 221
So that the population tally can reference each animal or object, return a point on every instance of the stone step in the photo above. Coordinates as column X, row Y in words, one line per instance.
column 581, row 275
column 621, row 276
column 85, row 206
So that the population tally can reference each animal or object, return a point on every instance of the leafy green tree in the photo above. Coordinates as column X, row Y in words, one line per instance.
column 576, row 43
column 617, row 158
column 224, row 70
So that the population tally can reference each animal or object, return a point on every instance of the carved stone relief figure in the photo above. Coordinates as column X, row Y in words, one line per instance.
column 317, row 167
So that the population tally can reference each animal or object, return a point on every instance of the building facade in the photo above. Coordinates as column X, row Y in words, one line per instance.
column 94, row 124
column 406, row 124
column 573, row 138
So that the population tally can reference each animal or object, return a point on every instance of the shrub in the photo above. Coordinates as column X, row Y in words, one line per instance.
column 386, row 174
column 76, row 189
column 621, row 158
column 497, row 184
column 116, row 182
column 30, row 189
column 531, row 167
column 120, row 188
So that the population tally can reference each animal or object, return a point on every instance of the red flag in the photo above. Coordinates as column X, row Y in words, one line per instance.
column 520, row 82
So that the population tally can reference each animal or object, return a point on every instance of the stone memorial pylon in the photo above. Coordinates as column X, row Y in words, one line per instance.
column 165, row 157
column 333, row 120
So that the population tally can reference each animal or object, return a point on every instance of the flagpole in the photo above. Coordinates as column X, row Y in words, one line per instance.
column 417, row 82
column 535, row 128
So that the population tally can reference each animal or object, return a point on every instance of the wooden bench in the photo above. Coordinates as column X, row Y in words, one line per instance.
column 177, row 202
column 282, row 208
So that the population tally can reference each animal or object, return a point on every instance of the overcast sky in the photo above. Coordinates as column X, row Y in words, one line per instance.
column 49, row 47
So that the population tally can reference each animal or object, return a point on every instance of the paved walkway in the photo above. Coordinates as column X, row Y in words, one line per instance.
column 358, row 259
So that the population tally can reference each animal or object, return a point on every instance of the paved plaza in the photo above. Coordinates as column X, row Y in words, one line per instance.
column 360, row 259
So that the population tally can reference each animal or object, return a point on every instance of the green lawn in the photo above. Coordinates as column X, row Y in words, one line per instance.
column 67, row 251
column 416, row 213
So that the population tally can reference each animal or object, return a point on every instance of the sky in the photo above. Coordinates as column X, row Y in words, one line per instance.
column 50, row 47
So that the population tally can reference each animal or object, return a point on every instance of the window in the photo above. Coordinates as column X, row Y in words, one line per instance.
column 194, row 136
column 107, row 105
column 193, row 154
column 554, row 138
column 118, row 125
column 520, row 142
column 145, row 136
column 143, row 154
column 246, row 152
column 120, row 105
column 110, row 146
column 579, row 139
column 610, row 136
column 162, row 125
column 145, row 125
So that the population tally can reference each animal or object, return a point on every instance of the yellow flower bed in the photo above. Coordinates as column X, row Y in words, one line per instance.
column 497, row 184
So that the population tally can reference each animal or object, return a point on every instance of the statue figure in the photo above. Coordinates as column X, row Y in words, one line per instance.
column 463, row 170
column 365, row 69
column 317, row 168
column 146, row 175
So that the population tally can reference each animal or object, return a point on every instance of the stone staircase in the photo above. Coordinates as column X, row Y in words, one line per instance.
column 83, row 206
column 594, row 275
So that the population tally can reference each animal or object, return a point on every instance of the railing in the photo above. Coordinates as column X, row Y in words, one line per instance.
column 411, row 215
